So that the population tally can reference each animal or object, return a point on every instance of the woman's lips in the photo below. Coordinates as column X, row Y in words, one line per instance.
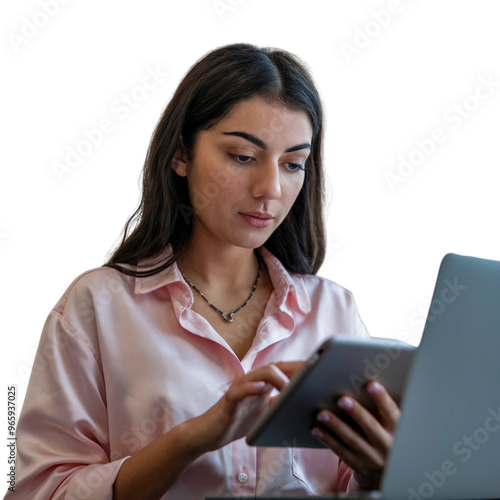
column 257, row 219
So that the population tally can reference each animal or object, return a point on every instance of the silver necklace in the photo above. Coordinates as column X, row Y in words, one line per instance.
column 227, row 316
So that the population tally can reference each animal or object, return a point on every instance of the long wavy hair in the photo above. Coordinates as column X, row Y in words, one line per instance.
column 206, row 94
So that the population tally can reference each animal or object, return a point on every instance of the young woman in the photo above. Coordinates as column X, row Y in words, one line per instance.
column 157, row 364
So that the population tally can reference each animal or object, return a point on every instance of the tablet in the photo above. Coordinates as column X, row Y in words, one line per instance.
column 342, row 365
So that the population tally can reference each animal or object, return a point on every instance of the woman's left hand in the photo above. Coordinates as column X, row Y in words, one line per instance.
column 367, row 454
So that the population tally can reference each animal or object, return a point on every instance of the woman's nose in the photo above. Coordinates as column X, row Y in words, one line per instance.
column 266, row 182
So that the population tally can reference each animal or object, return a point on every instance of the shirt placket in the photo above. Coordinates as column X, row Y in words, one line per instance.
column 244, row 469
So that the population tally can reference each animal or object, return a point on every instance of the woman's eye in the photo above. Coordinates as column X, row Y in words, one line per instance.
column 294, row 166
column 240, row 158
column 244, row 159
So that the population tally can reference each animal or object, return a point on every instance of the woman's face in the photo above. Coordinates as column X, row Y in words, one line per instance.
column 246, row 172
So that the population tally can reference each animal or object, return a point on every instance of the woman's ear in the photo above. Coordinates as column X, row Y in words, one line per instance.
column 180, row 160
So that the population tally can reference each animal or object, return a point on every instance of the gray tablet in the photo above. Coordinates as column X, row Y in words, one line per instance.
column 342, row 365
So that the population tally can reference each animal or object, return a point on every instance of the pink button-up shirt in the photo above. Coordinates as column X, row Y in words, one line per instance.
column 122, row 360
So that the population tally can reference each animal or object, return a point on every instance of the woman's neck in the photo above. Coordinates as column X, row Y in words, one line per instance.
column 219, row 266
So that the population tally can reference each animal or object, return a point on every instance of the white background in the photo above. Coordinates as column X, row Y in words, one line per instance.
column 384, row 245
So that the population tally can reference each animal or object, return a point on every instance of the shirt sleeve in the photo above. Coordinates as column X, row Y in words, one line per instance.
column 345, row 479
column 63, row 434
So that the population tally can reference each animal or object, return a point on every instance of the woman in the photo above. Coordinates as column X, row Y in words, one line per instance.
column 161, row 360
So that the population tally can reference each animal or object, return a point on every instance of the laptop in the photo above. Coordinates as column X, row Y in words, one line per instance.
column 447, row 444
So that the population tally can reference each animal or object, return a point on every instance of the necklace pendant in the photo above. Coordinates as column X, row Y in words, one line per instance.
column 228, row 317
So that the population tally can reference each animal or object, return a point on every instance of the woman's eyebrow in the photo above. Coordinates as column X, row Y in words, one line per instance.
column 262, row 144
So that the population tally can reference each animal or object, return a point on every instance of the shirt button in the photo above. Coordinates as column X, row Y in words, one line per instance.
column 242, row 477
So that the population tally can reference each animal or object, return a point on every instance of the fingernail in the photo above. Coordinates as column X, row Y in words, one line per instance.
column 318, row 433
column 324, row 417
column 374, row 388
column 345, row 403
column 259, row 385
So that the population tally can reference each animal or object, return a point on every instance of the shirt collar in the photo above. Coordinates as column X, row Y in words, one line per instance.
column 169, row 275
column 287, row 286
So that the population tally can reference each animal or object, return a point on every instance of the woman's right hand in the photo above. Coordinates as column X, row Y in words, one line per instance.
column 165, row 459
column 235, row 413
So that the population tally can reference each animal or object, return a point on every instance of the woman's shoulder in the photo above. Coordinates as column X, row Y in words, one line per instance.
column 320, row 284
column 99, row 284
column 308, row 287
column 321, row 290
column 312, row 282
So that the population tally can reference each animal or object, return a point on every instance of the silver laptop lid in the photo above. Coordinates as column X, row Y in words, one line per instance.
column 447, row 444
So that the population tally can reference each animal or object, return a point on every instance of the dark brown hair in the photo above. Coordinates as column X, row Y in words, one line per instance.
column 207, row 93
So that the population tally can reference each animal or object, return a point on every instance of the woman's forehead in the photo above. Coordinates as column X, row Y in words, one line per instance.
column 268, row 121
